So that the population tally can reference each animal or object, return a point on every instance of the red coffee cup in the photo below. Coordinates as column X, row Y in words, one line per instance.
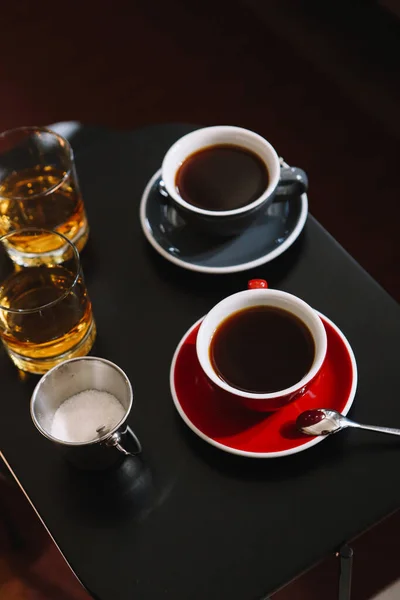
column 259, row 294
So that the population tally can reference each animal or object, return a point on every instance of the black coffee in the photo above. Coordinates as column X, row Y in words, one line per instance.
column 262, row 349
column 222, row 177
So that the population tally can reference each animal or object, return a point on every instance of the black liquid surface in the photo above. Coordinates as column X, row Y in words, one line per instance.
column 262, row 349
column 222, row 177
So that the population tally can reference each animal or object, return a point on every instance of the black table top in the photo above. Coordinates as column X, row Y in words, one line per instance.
column 190, row 521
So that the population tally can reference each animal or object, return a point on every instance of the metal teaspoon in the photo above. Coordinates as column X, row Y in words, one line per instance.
column 324, row 421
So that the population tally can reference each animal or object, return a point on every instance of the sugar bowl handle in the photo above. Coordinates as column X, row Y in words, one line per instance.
column 114, row 441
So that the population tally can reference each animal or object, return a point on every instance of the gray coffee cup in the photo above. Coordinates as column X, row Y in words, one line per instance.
column 283, row 181
column 71, row 377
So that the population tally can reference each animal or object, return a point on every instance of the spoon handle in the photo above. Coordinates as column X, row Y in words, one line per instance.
column 390, row 430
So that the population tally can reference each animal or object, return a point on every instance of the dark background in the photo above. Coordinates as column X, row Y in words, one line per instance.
column 320, row 82
column 318, row 79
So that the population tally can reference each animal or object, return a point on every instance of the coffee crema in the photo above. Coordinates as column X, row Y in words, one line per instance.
column 262, row 349
column 222, row 177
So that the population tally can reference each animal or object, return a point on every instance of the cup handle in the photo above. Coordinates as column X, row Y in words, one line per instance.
column 293, row 182
column 114, row 441
column 257, row 284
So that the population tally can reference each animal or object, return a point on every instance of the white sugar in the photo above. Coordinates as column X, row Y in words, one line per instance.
column 78, row 417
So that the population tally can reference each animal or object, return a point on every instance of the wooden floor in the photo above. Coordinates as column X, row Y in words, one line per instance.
column 317, row 79
column 31, row 567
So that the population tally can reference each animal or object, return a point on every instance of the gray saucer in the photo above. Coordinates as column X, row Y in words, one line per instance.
column 269, row 236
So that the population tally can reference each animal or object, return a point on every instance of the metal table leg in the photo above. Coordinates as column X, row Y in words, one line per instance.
column 346, row 563
column 345, row 555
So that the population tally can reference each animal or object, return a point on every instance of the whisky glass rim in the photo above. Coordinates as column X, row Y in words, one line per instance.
column 63, row 142
column 77, row 261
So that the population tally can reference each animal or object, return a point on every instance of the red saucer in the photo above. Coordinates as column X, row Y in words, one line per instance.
column 238, row 430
